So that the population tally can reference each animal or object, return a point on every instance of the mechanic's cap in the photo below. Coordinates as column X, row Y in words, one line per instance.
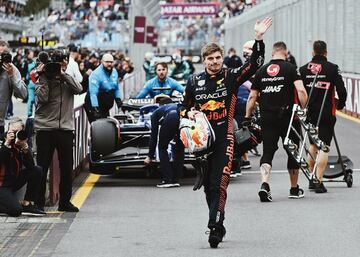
column 107, row 58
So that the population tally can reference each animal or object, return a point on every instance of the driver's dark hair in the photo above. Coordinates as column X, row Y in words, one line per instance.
column 211, row 48
column 164, row 64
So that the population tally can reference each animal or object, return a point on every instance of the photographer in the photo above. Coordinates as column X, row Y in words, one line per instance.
column 10, row 81
column 16, row 169
column 54, row 124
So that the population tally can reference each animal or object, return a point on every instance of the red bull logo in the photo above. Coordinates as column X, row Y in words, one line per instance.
column 212, row 105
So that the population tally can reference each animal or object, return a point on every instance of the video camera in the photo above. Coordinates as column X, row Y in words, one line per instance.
column 53, row 61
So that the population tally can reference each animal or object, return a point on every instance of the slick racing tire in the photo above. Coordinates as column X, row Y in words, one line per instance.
column 104, row 137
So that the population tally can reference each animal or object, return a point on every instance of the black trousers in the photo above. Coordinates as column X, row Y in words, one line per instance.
column 273, row 128
column 47, row 142
column 9, row 203
column 168, row 131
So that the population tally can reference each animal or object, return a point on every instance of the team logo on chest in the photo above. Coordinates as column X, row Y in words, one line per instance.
column 201, row 83
column 273, row 70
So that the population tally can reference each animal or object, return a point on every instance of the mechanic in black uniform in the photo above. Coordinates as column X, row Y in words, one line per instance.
column 278, row 86
column 213, row 92
column 167, row 117
column 328, row 77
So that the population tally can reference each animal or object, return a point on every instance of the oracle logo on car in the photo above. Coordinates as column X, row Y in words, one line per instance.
column 273, row 70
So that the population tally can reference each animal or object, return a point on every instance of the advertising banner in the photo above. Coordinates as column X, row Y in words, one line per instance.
column 149, row 34
column 188, row 9
column 139, row 29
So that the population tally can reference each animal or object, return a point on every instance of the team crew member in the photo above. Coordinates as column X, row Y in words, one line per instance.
column 168, row 119
column 213, row 91
column 103, row 90
column 160, row 81
column 328, row 78
column 278, row 86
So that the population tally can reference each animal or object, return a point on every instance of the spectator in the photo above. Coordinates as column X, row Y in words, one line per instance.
column 73, row 68
column 127, row 67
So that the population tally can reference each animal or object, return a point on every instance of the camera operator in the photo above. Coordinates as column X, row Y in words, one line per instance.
column 10, row 81
column 16, row 169
column 54, row 124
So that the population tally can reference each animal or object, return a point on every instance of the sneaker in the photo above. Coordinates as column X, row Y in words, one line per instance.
column 68, row 207
column 216, row 236
column 164, row 184
column 320, row 188
column 235, row 173
column 32, row 210
column 245, row 165
column 265, row 193
column 296, row 192
column 176, row 184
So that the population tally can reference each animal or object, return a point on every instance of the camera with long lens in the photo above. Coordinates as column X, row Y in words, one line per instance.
column 21, row 135
column 52, row 61
column 5, row 58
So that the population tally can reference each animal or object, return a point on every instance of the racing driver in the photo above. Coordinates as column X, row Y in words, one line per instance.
column 214, row 92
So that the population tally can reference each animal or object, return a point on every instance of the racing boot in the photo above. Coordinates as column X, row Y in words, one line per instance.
column 216, row 236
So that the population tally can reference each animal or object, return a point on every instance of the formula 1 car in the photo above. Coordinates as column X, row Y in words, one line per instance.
column 123, row 140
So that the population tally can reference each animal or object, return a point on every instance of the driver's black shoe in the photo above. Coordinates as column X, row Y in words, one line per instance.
column 216, row 236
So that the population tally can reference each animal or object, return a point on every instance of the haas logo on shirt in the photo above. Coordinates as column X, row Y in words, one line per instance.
column 273, row 70
column 314, row 67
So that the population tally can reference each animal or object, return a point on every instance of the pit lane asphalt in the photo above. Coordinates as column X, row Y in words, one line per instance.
column 128, row 216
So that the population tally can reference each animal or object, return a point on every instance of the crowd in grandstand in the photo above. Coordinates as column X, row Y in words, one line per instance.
column 190, row 32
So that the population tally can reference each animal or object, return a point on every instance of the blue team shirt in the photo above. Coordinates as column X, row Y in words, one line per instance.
column 100, row 81
column 154, row 82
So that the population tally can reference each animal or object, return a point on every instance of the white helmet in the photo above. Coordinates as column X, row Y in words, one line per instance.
column 197, row 135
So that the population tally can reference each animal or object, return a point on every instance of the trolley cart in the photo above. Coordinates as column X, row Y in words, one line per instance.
column 339, row 166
